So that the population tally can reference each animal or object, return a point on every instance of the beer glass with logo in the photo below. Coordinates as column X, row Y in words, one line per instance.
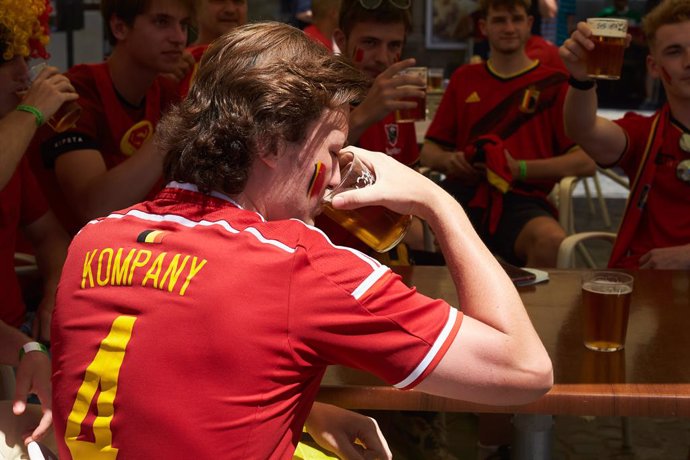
column 606, row 307
column 67, row 115
column 379, row 227
column 417, row 113
column 606, row 59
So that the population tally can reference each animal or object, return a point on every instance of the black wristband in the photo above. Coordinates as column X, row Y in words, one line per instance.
column 582, row 85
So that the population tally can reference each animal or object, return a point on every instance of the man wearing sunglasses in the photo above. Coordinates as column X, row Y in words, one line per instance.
column 518, row 101
column 372, row 33
column 653, row 151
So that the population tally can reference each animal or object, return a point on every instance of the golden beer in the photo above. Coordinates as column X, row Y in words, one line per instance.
column 606, row 305
column 417, row 113
column 380, row 228
column 414, row 114
column 605, row 61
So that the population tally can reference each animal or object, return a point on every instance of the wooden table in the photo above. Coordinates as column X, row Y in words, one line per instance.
column 651, row 377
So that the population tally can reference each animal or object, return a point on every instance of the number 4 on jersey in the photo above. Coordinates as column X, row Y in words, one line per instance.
column 101, row 374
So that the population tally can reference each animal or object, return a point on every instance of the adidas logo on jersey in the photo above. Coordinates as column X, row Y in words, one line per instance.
column 474, row 97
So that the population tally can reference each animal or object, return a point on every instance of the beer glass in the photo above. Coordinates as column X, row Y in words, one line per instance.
column 417, row 113
column 435, row 80
column 67, row 115
column 379, row 227
column 606, row 307
column 606, row 59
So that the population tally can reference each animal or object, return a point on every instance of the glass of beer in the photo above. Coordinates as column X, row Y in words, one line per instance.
column 606, row 59
column 606, row 307
column 435, row 81
column 67, row 115
column 417, row 113
column 379, row 227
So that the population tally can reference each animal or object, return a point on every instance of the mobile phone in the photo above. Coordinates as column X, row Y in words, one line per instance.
column 517, row 275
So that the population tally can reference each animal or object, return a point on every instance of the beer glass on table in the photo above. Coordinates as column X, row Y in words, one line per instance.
column 379, row 227
column 606, row 308
column 605, row 61
column 417, row 113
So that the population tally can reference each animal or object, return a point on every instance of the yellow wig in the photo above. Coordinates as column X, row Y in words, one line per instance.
column 24, row 28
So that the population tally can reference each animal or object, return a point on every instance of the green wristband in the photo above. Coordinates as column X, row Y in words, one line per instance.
column 34, row 111
column 522, row 169
column 32, row 346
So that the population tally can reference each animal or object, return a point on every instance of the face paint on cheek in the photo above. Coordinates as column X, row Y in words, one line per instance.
column 317, row 180
column 358, row 55
column 396, row 58
column 666, row 76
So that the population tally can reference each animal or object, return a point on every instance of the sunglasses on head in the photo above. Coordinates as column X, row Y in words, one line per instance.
column 373, row 4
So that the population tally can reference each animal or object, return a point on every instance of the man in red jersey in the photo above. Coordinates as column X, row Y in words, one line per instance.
column 107, row 161
column 23, row 209
column 518, row 100
column 218, row 306
column 653, row 151
column 373, row 39
column 213, row 19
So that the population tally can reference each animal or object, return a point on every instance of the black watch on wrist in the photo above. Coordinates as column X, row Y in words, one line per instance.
column 582, row 85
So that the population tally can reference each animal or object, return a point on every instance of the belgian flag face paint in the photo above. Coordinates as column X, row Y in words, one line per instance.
column 317, row 180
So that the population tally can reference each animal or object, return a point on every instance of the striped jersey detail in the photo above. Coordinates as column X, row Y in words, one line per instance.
column 448, row 330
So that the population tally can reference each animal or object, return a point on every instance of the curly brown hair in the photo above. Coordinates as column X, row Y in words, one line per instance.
column 510, row 5
column 667, row 12
column 257, row 88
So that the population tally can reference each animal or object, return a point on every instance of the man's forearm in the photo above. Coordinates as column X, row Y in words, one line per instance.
column 16, row 130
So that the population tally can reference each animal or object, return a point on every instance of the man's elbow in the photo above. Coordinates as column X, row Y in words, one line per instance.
column 537, row 379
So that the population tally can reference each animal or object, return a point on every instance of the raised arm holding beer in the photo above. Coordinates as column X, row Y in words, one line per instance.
column 653, row 151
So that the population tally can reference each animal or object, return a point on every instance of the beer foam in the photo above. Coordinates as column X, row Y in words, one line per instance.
column 608, row 27
column 607, row 287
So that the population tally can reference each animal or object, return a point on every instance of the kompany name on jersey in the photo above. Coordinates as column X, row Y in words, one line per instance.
column 128, row 267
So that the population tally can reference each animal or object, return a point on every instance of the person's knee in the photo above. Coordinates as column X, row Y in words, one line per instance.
column 539, row 242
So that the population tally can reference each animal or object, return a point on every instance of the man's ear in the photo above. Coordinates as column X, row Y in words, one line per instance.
column 118, row 27
column 652, row 67
column 340, row 39
column 482, row 26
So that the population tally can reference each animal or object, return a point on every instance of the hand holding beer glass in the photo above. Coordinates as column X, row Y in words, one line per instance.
column 606, row 308
column 379, row 227
column 47, row 94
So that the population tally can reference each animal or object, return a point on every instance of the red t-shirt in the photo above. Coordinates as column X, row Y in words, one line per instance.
column 21, row 203
column 107, row 124
column 398, row 140
column 315, row 34
column 525, row 110
column 547, row 53
column 220, row 326
column 665, row 219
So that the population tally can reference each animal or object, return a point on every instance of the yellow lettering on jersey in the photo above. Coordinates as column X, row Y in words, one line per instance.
column 155, row 270
column 87, row 268
column 101, row 374
column 174, row 272
column 138, row 263
column 102, row 281
column 192, row 273
column 118, row 275
column 119, row 267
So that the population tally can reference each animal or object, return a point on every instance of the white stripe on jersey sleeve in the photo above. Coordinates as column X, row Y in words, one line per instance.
column 431, row 355
column 369, row 281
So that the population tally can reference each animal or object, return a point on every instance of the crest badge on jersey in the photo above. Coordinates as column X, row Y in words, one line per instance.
column 135, row 137
column 392, row 132
column 529, row 101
